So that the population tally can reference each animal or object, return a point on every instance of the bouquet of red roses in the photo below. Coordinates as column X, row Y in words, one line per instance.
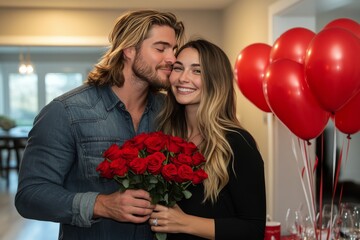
column 161, row 164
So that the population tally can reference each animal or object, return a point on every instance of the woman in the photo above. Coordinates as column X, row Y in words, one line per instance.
column 200, row 107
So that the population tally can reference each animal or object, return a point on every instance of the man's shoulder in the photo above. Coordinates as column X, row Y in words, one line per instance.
column 78, row 92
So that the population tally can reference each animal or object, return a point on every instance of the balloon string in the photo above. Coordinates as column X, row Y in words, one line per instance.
column 338, row 167
column 312, row 182
column 321, row 181
column 334, row 159
column 345, row 163
column 309, row 185
column 300, row 171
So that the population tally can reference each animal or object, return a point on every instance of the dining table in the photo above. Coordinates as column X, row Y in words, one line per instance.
column 12, row 142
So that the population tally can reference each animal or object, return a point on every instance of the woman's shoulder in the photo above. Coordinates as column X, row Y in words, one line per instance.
column 244, row 148
column 239, row 136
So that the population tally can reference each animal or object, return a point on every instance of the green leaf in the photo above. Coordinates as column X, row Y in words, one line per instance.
column 155, row 199
column 136, row 179
column 142, row 154
column 153, row 179
column 187, row 194
column 160, row 236
column 171, row 203
column 125, row 183
column 151, row 187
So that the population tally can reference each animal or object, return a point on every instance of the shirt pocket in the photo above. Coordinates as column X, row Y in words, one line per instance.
column 93, row 155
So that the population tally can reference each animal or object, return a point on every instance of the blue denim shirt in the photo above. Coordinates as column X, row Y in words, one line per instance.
column 58, row 180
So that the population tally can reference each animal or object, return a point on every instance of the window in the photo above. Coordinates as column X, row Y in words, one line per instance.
column 59, row 83
column 23, row 96
column 31, row 92
column 56, row 71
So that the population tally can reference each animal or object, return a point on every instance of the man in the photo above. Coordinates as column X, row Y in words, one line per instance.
column 58, row 180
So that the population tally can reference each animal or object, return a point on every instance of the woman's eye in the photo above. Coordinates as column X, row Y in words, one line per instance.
column 177, row 68
column 197, row 71
column 160, row 49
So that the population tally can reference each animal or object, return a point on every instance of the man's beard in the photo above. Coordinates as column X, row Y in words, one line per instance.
column 145, row 73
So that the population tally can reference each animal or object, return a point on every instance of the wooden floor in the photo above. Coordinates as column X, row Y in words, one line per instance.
column 15, row 227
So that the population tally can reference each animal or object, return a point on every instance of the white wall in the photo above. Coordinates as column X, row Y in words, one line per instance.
column 245, row 22
column 66, row 27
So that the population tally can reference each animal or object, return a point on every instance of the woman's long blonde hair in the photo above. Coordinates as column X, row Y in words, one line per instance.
column 130, row 30
column 216, row 115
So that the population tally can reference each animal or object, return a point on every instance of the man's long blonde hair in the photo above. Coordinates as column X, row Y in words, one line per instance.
column 130, row 30
column 216, row 115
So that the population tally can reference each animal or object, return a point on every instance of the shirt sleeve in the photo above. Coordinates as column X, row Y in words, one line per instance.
column 48, row 158
column 247, row 189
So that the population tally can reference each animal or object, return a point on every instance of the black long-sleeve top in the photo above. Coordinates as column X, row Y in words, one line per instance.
column 240, row 210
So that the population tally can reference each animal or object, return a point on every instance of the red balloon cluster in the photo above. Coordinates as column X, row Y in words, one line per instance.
column 305, row 78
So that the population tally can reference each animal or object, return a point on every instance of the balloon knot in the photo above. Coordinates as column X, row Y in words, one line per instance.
column 348, row 136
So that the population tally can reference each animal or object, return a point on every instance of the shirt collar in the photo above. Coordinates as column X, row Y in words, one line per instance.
column 111, row 100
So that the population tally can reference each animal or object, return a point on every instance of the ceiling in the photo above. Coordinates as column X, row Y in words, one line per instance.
column 118, row 4
column 315, row 7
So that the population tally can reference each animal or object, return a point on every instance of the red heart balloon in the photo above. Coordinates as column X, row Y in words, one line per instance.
column 292, row 44
column 291, row 100
column 332, row 67
column 250, row 69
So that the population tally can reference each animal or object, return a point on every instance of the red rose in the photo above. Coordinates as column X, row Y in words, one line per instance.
column 155, row 143
column 182, row 159
column 136, row 142
column 155, row 162
column 198, row 159
column 169, row 172
column 199, row 176
column 112, row 152
column 129, row 153
column 189, row 148
column 119, row 167
column 138, row 165
column 104, row 169
column 174, row 144
column 185, row 173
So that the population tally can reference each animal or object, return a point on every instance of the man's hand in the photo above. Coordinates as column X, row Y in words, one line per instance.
column 130, row 206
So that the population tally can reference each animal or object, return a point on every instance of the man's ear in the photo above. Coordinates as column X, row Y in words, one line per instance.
column 129, row 53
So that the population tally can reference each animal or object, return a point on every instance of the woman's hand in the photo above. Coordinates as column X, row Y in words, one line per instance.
column 169, row 220
column 174, row 220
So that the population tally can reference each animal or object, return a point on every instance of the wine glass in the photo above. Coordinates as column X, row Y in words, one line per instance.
column 325, row 218
column 356, row 218
column 309, row 229
column 343, row 228
column 328, row 212
column 294, row 223
column 355, row 212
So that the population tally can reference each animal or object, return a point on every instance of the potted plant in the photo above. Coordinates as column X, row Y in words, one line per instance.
column 6, row 123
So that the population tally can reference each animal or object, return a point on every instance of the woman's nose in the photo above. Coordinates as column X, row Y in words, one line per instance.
column 184, row 77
